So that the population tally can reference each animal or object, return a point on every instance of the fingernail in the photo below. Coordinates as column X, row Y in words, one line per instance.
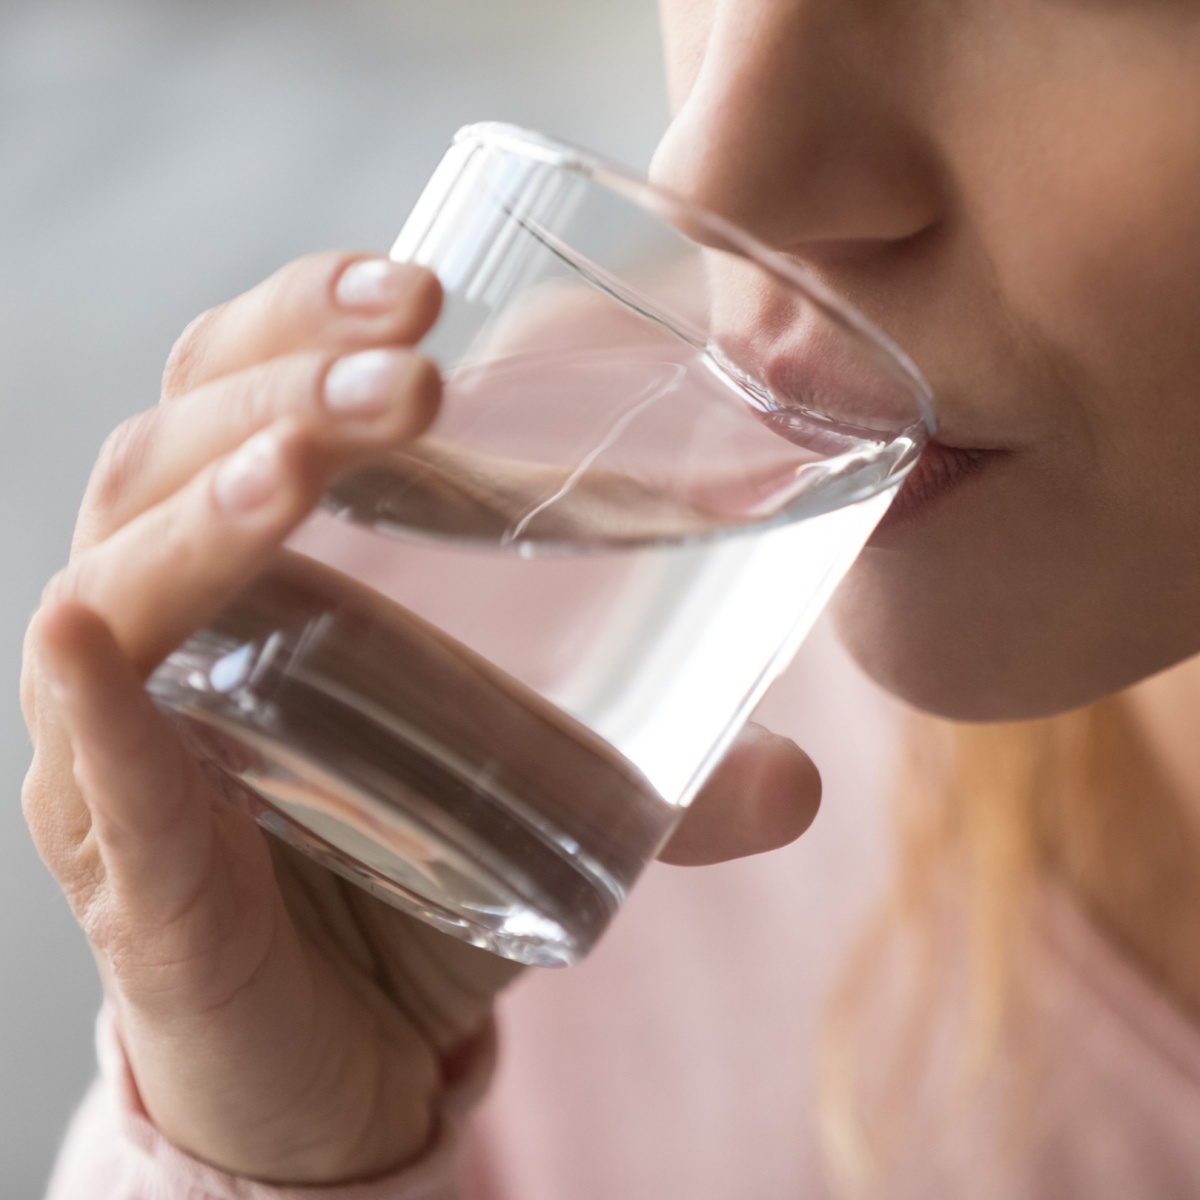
column 250, row 476
column 373, row 284
column 366, row 383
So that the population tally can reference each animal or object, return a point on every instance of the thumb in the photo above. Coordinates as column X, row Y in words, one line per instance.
column 763, row 795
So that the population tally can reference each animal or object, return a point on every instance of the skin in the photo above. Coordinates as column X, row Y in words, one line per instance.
column 280, row 1024
column 1006, row 186
column 1007, row 189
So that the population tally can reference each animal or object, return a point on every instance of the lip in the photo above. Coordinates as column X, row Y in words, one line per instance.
column 940, row 471
column 943, row 466
column 850, row 389
column 829, row 377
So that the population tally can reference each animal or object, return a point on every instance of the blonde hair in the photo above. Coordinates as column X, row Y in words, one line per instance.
column 982, row 813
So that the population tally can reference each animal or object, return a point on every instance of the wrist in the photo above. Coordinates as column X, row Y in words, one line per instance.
column 343, row 1122
column 136, row 1150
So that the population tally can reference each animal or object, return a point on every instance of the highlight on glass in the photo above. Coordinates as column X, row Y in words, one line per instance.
column 486, row 679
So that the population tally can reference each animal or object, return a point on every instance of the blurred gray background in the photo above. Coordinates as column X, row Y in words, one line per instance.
column 156, row 157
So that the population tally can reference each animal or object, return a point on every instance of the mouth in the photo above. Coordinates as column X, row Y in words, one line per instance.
column 940, row 471
column 824, row 371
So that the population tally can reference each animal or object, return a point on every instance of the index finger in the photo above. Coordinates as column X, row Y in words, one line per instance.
column 337, row 301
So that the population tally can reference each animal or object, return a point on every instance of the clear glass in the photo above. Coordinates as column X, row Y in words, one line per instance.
column 487, row 678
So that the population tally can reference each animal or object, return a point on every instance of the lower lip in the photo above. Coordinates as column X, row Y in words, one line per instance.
column 939, row 471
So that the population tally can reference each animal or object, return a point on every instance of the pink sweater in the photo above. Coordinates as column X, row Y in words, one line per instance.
column 679, row 1060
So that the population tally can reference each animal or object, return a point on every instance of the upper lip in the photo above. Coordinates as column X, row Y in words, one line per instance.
column 814, row 368
column 863, row 396
column 832, row 391
column 967, row 417
column 885, row 403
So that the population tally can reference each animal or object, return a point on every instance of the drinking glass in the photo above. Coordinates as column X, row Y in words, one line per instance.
column 485, row 680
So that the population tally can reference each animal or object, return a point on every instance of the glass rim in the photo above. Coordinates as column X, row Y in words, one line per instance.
column 660, row 201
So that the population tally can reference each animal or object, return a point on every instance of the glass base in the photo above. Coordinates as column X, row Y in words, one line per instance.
column 540, row 909
column 433, row 881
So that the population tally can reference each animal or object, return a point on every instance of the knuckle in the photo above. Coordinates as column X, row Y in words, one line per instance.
column 187, row 543
column 302, row 276
column 177, row 537
column 60, row 826
column 33, row 793
column 184, row 363
column 29, row 676
column 289, row 387
column 43, row 815
column 122, row 457
column 295, row 387
column 60, row 586
column 74, row 582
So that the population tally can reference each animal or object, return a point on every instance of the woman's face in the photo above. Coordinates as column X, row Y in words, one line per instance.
column 1011, row 189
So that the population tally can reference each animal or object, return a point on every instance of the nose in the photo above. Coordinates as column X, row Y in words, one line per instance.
column 797, row 120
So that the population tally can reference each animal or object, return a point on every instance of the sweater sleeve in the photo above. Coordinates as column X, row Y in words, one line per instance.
column 113, row 1152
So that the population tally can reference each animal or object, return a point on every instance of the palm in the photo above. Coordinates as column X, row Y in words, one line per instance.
column 398, row 969
column 351, row 1006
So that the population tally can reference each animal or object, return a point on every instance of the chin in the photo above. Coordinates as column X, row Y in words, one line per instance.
column 1026, row 589
column 968, row 652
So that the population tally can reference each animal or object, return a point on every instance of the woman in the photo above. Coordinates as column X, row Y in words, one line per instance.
column 1008, row 190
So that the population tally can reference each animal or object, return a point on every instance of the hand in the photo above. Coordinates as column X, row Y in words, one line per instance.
column 280, row 1024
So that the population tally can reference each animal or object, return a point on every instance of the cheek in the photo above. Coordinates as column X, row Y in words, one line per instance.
column 1108, row 259
column 1074, row 573
column 1105, row 266
column 1095, row 239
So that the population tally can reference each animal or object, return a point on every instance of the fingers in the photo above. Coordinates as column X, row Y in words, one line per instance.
column 326, row 341
column 765, row 794
column 170, row 570
column 172, row 885
column 186, row 531
column 377, row 397
column 332, row 301
column 128, row 764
